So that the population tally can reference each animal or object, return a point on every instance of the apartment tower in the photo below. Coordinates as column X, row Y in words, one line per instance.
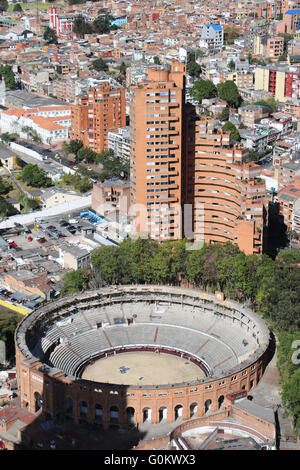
column 189, row 179
column 156, row 134
column 224, row 190
column 102, row 110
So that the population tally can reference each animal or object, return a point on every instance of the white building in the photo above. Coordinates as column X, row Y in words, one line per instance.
column 50, row 123
column 212, row 37
column 119, row 142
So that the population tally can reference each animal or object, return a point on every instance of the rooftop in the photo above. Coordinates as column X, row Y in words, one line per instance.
column 257, row 410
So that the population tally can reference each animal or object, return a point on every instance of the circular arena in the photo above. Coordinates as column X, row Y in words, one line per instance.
column 120, row 356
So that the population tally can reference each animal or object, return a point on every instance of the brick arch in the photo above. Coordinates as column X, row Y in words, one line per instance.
column 178, row 411
column 194, row 409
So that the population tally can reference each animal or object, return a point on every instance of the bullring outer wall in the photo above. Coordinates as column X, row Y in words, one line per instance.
column 54, row 386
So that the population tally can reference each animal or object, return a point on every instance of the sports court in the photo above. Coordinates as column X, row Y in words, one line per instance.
column 142, row 368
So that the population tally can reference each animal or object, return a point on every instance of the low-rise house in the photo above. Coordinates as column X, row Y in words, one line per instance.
column 52, row 196
column 26, row 282
column 289, row 203
column 76, row 253
column 119, row 142
column 111, row 195
column 252, row 113
column 258, row 139
column 51, row 124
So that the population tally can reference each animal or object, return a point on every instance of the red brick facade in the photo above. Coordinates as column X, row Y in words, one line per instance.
column 109, row 404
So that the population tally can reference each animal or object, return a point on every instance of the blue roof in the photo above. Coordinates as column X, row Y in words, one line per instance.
column 215, row 26
column 293, row 12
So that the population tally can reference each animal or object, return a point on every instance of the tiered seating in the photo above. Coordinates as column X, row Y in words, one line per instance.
column 63, row 358
column 197, row 330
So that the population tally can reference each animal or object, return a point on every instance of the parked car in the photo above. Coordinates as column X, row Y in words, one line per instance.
column 53, row 444
column 30, row 238
column 41, row 240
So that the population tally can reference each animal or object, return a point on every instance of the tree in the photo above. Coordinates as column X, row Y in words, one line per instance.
column 99, row 65
column 288, row 367
column 236, row 276
column 8, row 75
column 3, row 5
column 253, row 156
column 71, row 147
column 50, row 36
column 112, row 165
column 279, row 296
column 228, row 91
column 83, row 185
column 5, row 186
column 123, row 68
column 203, row 89
column 75, row 281
column 286, row 37
column 231, row 65
column 156, row 60
column 35, row 176
column 81, row 27
column 105, row 262
column 8, row 324
column 102, row 24
column 18, row 7
column 28, row 204
column 230, row 34
column 193, row 69
column 193, row 55
column 235, row 135
column 282, row 57
column 269, row 103
column 254, row 60
column 224, row 115
column 86, row 153
column 289, row 256
column 194, row 267
column 6, row 208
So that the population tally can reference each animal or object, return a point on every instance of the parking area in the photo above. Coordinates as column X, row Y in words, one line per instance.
column 52, row 230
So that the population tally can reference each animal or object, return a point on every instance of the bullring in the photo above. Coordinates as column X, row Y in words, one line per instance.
column 225, row 342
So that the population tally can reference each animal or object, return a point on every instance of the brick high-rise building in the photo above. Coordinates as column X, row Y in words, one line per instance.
column 224, row 190
column 156, row 133
column 79, row 120
column 187, row 178
column 96, row 114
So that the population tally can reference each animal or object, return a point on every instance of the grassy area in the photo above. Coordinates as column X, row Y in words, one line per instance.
column 7, row 314
column 9, row 321
column 32, row 6
column 25, row 186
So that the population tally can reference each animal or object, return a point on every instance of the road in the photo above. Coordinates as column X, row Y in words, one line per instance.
column 57, row 158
